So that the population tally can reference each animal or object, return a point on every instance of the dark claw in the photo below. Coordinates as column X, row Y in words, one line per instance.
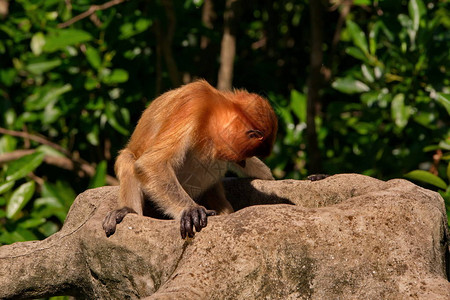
column 316, row 177
column 194, row 217
column 113, row 218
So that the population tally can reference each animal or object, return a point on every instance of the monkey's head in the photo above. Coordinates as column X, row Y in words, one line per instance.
column 246, row 128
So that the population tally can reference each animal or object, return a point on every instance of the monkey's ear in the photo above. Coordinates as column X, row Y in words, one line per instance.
column 255, row 134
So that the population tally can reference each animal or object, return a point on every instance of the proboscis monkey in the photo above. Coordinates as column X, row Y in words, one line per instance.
column 181, row 148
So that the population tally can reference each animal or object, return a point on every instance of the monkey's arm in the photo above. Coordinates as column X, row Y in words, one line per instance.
column 130, row 195
column 156, row 174
column 254, row 168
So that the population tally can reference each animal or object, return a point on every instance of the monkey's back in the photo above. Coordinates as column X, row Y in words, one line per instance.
column 173, row 116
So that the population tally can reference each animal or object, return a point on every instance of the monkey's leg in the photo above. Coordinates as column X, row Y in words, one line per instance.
column 215, row 199
column 113, row 218
column 130, row 194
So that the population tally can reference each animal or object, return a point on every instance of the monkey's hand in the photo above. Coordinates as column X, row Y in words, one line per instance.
column 114, row 217
column 196, row 216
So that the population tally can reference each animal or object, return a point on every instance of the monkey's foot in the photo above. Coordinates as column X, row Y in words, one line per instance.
column 316, row 177
column 114, row 217
column 191, row 217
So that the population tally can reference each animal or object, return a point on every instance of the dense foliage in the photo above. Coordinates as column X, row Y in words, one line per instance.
column 71, row 95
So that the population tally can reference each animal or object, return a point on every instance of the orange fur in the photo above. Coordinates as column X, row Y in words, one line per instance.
column 184, row 143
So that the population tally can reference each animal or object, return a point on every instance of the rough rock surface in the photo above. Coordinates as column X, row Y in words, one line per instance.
column 347, row 237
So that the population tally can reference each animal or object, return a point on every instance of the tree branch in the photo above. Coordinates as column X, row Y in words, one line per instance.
column 90, row 11
column 40, row 140
column 4, row 8
column 208, row 16
column 69, row 163
column 61, row 162
column 166, row 43
column 10, row 156
column 314, row 84
column 228, row 46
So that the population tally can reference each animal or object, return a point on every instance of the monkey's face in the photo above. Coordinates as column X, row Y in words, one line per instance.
column 244, row 127
column 239, row 141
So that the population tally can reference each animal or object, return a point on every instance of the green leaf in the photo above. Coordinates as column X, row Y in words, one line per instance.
column 24, row 165
column 349, row 85
column 99, row 178
column 61, row 38
column 22, row 235
column 405, row 21
column 426, row 119
column 427, row 177
column 445, row 144
column 389, row 35
column 91, row 83
column 6, row 238
column 10, row 117
column 142, row 24
column 298, row 105
column 110, row 110
column 50, row 202
column 32, row 223
column 49, row 206
column 7, row 76
column 125, row 114
column 285, row 114
column 444, row 99
column 19, row 199
column 42, row 67
column 49, row 151
column 373, row 36
column 7, row 144
column 6, row 186
column 416, row 10
column 430, row 148
column 48, row 228
column 37, row 43
column 61, row 191
column 37, row 102
column 9, row 30
column 358, row 36
column 399, row 111
column 407, row 25
column 126, row 31
column 448, row 172
column 362, row 2
column 51, row 114
column 116, row 76
column 356, row 53
column 368, row 74
column 93, row 57
column 92, row 136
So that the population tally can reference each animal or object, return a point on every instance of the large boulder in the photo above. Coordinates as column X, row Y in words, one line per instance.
column 345, row 237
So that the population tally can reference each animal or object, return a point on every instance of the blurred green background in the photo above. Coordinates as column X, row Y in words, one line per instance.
column 359, row 86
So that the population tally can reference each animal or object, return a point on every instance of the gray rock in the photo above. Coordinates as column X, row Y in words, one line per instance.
column 347, row 237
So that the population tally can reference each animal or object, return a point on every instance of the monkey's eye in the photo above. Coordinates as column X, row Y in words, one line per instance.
column 255, row 134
